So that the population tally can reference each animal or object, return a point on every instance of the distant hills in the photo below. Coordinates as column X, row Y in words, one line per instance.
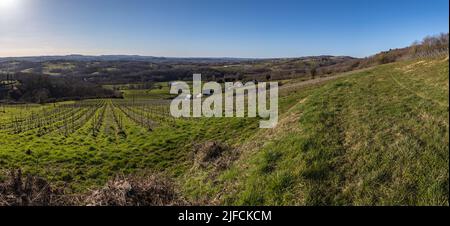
column 124, row 69
column 153, row 59
column 87, row 58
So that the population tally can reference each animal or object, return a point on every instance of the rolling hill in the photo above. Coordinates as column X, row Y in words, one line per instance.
column 374, row 137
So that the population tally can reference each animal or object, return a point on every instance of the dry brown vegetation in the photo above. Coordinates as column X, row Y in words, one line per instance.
column 18, row 190
column 150, row 190
column 213, row 153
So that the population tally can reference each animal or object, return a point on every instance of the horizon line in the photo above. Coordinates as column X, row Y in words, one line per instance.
column 178, row 57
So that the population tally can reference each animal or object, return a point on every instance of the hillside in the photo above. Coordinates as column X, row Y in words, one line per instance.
column 376, row 137
column 132, row 69
column 75, row 77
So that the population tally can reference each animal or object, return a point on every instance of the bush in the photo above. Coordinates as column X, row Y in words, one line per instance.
column 153, row 190
column 31, row 191
column 213, row 153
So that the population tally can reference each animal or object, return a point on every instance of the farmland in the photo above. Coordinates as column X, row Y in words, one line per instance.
column 377, row 136
column 84, row 143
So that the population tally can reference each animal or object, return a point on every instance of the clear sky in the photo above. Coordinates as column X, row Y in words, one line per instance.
column 216, row 28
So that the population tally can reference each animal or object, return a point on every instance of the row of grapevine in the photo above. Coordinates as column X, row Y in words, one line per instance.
column 139, row 119
column 27, row 117
column 118, row 119
column 65, row 117
column 97, row 121
column 78, row 120
column 147, row 113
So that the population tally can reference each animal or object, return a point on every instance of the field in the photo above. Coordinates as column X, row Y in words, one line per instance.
column 85, row 143
column 373, row 137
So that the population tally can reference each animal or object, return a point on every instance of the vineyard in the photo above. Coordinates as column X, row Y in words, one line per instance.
column 84, row 143
column 81, row 145
column 65, row 119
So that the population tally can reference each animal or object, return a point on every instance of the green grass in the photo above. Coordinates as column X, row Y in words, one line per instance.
column 374, row 137
column 82, row 160
column 157, row 93
column 378, row 137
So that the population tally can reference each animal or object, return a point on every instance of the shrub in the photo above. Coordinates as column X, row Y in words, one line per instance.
column 214, row 153
column 153, row 190
column 31, row 191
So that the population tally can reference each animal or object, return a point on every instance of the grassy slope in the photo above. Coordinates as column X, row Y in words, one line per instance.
column 377, row 137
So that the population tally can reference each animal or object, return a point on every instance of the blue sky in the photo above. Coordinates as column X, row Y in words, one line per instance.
column 216, row 28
